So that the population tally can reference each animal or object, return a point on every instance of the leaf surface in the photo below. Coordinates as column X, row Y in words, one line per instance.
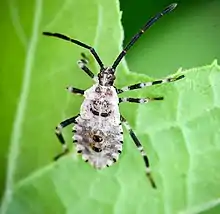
column 181, row 134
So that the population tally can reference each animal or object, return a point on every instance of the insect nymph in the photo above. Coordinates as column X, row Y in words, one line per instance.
column 98, row 133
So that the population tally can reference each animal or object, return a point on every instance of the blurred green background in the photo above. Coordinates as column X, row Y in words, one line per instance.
column 188, row 37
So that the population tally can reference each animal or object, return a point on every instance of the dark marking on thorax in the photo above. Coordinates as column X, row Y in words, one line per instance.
column 100, row 108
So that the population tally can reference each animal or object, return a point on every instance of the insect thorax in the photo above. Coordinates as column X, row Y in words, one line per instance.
column 101, row 101
column 98, row 132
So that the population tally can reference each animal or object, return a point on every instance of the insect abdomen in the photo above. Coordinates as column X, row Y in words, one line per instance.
column 100, row 143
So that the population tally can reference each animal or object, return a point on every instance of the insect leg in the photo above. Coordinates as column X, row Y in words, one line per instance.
column 75, row 90
column 147, row 84
column 77, row 42
column 138, row 100
column 82, row 64
column 58, row 132
column 141, row 150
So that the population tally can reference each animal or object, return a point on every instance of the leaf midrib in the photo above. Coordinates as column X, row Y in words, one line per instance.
column 20, row 111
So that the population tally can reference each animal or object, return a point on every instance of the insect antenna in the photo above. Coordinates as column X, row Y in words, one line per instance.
column 138, row 35
column 64, row 37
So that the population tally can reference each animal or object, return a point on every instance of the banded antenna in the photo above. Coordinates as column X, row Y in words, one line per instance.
column 141, row 32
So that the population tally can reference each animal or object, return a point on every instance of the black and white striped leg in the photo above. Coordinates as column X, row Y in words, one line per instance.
column 58, row 132
column 82, row 64
column 141, row 150
column 138, row 100
column 75, row 90
column 147, row 84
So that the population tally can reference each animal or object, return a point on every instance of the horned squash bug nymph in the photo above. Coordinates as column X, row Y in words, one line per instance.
column 98, row 133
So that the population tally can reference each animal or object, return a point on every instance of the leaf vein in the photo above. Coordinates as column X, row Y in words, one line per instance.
column 14, row 15
column 20, row 111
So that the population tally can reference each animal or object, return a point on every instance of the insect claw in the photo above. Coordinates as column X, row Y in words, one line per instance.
column 153, row 184
column 180, row 77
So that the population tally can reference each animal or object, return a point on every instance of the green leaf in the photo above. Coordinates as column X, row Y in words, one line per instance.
column 42, row 100
column 180, row 134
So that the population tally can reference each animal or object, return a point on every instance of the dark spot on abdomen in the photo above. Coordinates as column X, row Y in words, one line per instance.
column 97, row 138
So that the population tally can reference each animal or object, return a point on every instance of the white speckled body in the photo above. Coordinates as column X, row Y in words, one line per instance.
column 98, row 132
